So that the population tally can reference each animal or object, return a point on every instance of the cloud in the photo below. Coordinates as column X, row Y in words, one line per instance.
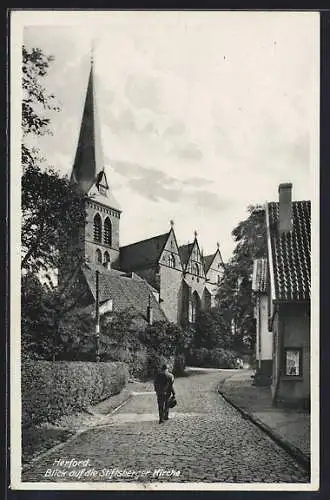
column 143, row 92
column 177, row 128
column 156, row 185
column 189, row 152
column 209, row 200
column 197, row 181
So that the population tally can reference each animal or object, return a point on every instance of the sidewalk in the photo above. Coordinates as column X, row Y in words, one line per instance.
column 291, row 428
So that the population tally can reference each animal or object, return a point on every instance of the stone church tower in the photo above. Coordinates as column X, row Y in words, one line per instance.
column 98, row 240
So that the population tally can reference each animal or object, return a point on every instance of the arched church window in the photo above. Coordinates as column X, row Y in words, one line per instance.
column 98, row 256
column 107, row 231
column 196, row 269
column 106, row 260
column 97, row 228
column 219, row 279
column 195, row 306
column 171, row 260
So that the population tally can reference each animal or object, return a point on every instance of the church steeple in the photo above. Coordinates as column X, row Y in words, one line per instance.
column 88, row 161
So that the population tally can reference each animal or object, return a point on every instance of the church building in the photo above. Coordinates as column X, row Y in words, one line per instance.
column 175, row 281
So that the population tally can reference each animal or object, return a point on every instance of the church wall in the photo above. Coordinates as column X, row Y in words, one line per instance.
column 216, row 270
column 196, row 283
column 213, row 289
column 170, row 284
column 90, row 245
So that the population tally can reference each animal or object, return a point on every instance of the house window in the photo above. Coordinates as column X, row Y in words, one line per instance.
column 293, row 362
column 107, row 232
column 97, row 228
column 98, row 256
column 171, row 260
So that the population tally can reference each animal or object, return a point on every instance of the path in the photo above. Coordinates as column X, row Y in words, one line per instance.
column 204, row 440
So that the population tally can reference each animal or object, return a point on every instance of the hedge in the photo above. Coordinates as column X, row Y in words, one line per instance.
column 142, row 364
column 53, row 389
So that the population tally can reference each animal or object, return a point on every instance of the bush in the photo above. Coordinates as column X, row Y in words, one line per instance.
column 53, row 389
column 155, row 362
column 211, row 358
column 198, row 357
column 221, row 358
column 179, row 365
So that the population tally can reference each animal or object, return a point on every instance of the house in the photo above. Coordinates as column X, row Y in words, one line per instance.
column 289, row 259
column 179, row 280
column 119, row 292
column 264, row 337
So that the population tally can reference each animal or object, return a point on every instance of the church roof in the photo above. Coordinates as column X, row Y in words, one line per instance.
column 184, row 252
column 126, row 292
column 143, row 253
column 89, row 157
column 207, row 260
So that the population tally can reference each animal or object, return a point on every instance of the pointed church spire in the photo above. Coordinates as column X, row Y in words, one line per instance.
column 88, row 161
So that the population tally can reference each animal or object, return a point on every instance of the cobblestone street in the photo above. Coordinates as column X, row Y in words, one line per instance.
column 205, row 440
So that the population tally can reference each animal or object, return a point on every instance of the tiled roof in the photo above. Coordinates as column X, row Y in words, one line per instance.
column 291, row 253
column 143, row 253
column 260, row 276
column 184, row 252
column 126, row 292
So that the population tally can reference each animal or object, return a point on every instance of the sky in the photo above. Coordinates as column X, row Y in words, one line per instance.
column 201, row 113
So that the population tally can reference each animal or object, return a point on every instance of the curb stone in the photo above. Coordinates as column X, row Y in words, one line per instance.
column 295, row 452
column 44, row 454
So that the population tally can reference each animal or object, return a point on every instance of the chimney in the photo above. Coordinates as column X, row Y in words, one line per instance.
column 285, row 208
column 149, row 312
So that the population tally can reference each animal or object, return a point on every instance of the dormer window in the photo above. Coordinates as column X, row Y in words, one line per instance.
column 171, row 260
column 103, row 190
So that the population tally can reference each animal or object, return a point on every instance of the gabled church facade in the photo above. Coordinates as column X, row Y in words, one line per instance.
column 179, row 279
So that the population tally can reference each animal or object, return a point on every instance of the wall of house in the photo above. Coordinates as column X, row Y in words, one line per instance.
column 294, row 328
column 264, row 351
column 90, row 245
column 276, row 355
column 296, row 333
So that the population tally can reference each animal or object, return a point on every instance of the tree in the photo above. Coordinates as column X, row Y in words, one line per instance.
column 212, row 331
column 235, row 291
column 51, row 207
column 52, row 212
column 36, row 103
column 52, row 324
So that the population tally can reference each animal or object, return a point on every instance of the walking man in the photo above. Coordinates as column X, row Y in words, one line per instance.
column 164, row 388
